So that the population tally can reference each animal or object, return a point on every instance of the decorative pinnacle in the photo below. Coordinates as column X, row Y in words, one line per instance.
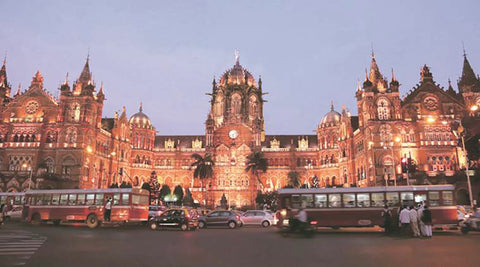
column 464, row 53
column 373, row 53
column 141, row 108
column 332, row 108
column 393, row 75
column 237, row 57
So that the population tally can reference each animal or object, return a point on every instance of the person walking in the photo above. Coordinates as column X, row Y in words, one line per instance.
column 427, row 221
column 387, row 219
column 421, row 225
column 108, row 210
column 414, row 221
column 405, row 220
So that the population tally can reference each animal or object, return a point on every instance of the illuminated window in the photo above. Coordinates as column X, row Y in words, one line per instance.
column 383, row 109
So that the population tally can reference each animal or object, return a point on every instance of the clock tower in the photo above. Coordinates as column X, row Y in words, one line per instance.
column 234, row 128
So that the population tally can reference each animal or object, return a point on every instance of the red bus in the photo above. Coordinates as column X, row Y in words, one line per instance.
column 363, row 206
column 86, row 205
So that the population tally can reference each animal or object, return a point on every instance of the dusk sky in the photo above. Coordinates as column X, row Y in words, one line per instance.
column 166, row 53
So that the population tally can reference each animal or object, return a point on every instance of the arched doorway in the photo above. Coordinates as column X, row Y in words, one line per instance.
column 462, row 197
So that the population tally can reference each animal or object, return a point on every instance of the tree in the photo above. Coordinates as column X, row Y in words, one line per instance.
column 146, row 186
column 164, row 191
column 188, row 199
column 203, row 170
column 123, row 185
column 178, row 192
column 293, row 179
column 154, row 185
column 114, row 185
column 257, row 164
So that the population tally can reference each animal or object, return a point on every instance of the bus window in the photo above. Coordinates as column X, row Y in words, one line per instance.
column 63, row 199
column 447, row 198
column 407, row 198
column 3, row 199
column 420, row 198
column 320, row 200
column 39, row 199
column 296, row 201
column 81, row 199
column 72, row 199
column 47, row 199
column 125, row 199
column 99, row 199
column 307, row 201
column 144, row 200
column 392, row 199
column 434, row 198
column 90, row 199
column 116, row 199
column 55, row 199
column 349, row 200
column 135, row 199
column 17, row 200
column 378, row 200
column 363, row 200
column 334, row 201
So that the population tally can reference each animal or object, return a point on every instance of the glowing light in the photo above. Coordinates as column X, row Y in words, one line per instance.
column 430, row 119
column 444, row 122
column 474, row 108
column 89, row 149
column 397, row 139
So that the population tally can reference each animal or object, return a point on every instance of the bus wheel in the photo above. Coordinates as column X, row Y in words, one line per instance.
column 56, row 222
column 92, row 221
column 36, row 219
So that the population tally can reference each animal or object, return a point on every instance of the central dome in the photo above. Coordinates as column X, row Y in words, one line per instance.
column 331, row 118
column 140, row 120
column 237, row 75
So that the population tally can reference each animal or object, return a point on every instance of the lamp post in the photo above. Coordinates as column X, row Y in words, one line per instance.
column 460, row 133
column 30, row 176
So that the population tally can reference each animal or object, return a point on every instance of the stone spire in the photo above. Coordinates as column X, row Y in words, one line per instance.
column 100, row 94
column 86, row 76
column 37, row 81
column 3, row 74
column 468, row 80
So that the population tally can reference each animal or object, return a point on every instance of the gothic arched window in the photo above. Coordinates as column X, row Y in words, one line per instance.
column 74, row 112
column 71, row 136
column 219, row 106
column 383, row 109
column 252, row 106
column 236, row 104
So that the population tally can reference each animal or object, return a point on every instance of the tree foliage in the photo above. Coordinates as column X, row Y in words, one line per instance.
column 257, row 164
column 164, row 191
column 293, row 179
column 188, row 199
column 178, row 192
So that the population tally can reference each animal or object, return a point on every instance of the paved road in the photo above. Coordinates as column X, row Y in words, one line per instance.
column 137, row 246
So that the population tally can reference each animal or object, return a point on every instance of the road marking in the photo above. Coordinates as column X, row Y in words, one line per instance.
column 17, row 247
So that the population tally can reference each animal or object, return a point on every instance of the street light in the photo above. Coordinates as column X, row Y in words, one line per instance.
column 397, row 139
column 25, row 166
column 459, row 133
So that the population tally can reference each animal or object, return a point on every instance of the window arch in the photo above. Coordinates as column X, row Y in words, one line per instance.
column 236, row 104
column 219, row 107
column 67, row 165
column 252, row 106
column 383, row 109
column 386, row 133
column 50, row 165
column 71, row 135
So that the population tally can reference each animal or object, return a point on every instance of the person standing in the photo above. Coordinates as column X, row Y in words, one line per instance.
column 108, row 210
column 414, row 221
column 405, row 220
column 427, row 221
column 387, row 219
column 421, row 225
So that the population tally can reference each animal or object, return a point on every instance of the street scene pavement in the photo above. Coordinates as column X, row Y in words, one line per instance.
column 68, row 245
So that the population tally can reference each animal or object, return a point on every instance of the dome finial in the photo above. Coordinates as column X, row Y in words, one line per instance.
column 373, row 53
column 140, row 108
column 332, row 108
column 237, row 57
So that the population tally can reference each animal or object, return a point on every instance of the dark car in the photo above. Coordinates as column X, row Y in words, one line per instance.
column 154, row 211
column 181, row 218
column 220, row 218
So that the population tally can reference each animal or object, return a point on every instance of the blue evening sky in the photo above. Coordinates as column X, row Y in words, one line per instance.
column 165, row 53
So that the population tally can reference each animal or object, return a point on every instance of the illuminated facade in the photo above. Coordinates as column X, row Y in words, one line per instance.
column 66, row 143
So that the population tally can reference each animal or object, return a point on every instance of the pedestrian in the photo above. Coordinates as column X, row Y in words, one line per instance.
column 405, row 220
column 387, row 219
column 427, row 221
column 421, row 225
column 108, row 210
column 414, row 221
column 2, row 214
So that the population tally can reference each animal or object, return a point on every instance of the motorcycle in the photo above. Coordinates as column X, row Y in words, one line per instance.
column 470, row 224
column 294, row 226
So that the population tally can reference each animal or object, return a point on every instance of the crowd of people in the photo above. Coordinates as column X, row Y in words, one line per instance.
column 412, row 221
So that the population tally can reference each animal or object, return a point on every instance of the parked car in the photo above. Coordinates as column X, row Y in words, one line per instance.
column 14, row 214
column 181, row 218
column 258, row 217
column 220, row 218
column 154, row 211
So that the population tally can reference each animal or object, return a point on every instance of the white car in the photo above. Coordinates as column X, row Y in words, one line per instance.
column 14, row 214
column 258, row 217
